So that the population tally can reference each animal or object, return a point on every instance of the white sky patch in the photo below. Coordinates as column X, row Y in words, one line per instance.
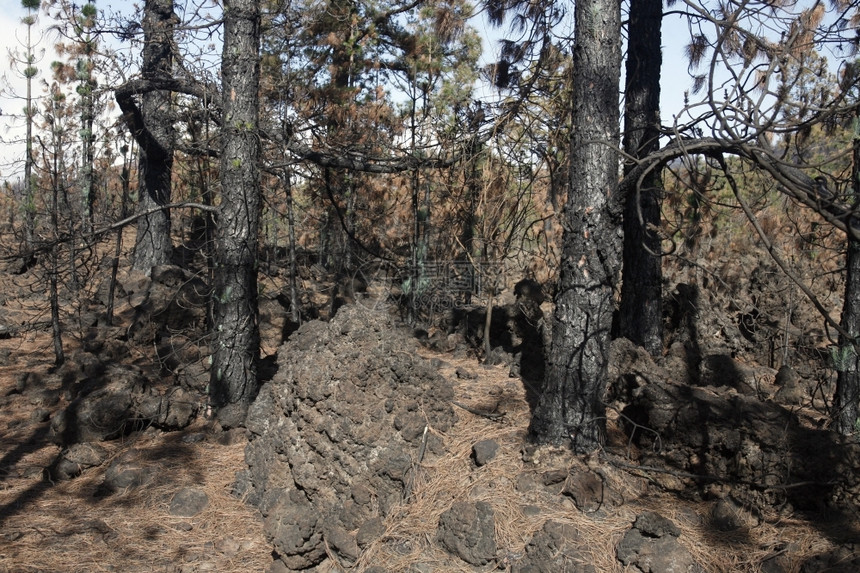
column 13, row 39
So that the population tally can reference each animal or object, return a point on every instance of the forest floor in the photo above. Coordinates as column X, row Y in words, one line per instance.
column 72, row 525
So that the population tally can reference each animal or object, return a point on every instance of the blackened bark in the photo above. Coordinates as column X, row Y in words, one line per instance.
column 153, row 245
column 236, row 337
column 295, row 303
column 847, row 399
column 641, row 312
column 570, row 407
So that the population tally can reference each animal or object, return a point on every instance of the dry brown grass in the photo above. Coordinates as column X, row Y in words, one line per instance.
column 65, row 527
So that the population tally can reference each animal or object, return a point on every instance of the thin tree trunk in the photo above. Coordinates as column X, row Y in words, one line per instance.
column 570, row 409
column 236, row 336
column 124, row 177
column 56, row 327
column 467, row 237
column 29, row 181
column 641, row 312
column 86, row 91
column 295, row 310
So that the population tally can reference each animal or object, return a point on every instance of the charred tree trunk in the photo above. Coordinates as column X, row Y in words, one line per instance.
column 295, row 303
column 124, row 178
column 570, row 407
column 54, row 271
column 153, row 245
column 847, row 399
column 641, row 313
column 236, row 336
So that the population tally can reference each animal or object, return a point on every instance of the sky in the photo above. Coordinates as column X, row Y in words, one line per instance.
column 13, row 36
column 675, row 79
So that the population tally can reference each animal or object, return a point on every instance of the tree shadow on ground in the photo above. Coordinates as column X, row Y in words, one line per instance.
column 517, row 339
column 709, row 426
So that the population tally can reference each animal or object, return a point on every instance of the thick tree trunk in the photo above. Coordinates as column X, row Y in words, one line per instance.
column 641, row 313
column 236, row 337
column 153, row 245
column 847, row 399
column 570, row 407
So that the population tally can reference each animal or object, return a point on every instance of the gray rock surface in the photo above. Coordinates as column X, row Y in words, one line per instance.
column 484, row 451
column 76, row 458
column 651, row 546
column 556, row 547
column 467, row 530
column 336, row 433
column 188, row 502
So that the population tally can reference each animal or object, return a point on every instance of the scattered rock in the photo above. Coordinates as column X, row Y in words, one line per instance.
column 791, row 389
column 727, row 515
column 103, row 408
column 126, row 471
column 229, row 546
column 554, row 480
column 464, row 374
column 652, row 546
column 585, row 487
column 39, row 415
column 780, row 561
column 170, row 298
column 526, row 482
column 467, row 530
column 556, row 547
column 193, row 438
column 484, row 451
column 76, row 458
column 842, row 559
column 188, row 502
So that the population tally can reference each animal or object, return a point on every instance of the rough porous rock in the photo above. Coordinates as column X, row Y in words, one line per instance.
column 718, row 431
column 107, row 401
column 651, row 546
column 467, row 530
column 117, row 401
column 127, row 470
column 842, row 559
column 102, row 408
column 484, row 451
column 727, row 515
column 188, row 502
column 556, row 547
column 169, row 298
column 336, row 432
column 76, row 458
column 585, row 487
